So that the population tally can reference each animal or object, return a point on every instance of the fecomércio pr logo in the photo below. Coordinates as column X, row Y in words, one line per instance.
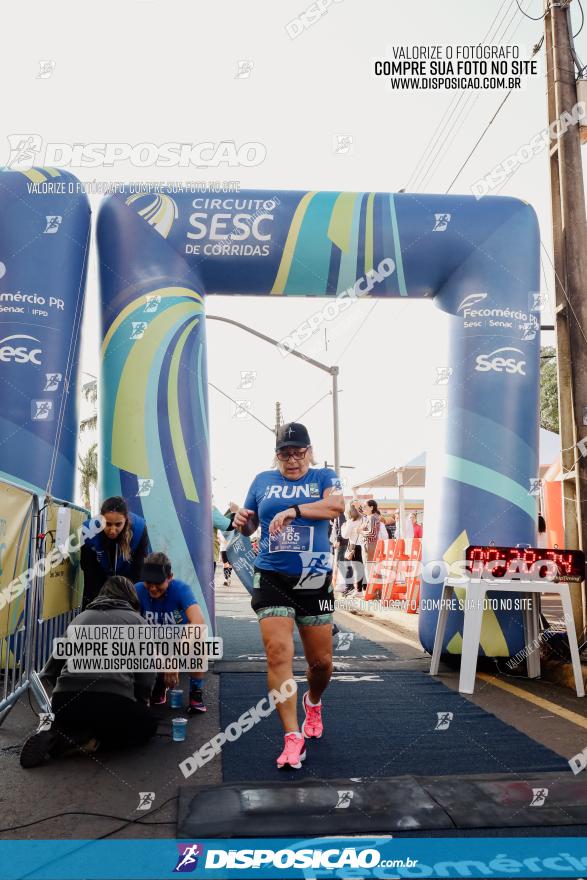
column 187, row 859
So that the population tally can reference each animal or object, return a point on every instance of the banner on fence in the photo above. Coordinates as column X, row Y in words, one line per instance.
column 63, row 583
column 16, row 521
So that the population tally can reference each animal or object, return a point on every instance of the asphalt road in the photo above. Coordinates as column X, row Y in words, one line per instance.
column 110, row 784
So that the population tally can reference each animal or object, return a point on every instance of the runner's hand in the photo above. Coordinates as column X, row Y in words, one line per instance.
column 281, row 520
column 241, row 518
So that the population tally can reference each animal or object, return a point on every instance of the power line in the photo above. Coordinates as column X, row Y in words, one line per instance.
column 328, row 394
column 421, row 172
column 484, row 132
column 241, row 408
column 488, row 126
column 531, row 17
column 352, row 339
column 582, row 19
column 565, row 294
column 444, row 147
column 503, row 36
column 465, row 111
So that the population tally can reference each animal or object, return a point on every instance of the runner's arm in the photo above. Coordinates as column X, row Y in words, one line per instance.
column 194, row 615
column 330, row 506
column 246, row 521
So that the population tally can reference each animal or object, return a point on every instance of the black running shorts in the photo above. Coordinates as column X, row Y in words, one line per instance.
column 274, row 595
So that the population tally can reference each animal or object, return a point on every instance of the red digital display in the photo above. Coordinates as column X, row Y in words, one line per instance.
column 525, row 563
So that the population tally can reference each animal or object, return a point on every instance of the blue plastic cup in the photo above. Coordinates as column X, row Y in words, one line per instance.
column 180, row 727
column 175, row 697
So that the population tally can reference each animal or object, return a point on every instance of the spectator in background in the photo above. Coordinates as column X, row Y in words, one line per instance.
column 119, row 549
column 416, row 527
column 390, row 525
column 370, row 531
column 339, row 548
column 351, row 531
column 220, row 522
column 383, row 536
column 398, row 525
column 408, row 530
column 226, row 566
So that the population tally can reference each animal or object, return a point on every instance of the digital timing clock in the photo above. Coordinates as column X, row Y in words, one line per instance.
column 525, row 563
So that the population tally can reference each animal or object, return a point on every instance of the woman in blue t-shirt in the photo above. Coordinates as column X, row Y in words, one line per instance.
column 293, row 505
column 165, row 599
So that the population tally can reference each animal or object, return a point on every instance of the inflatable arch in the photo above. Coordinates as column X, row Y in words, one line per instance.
column 162, row 252
column 44, row 244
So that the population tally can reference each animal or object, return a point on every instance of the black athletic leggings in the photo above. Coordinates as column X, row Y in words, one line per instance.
column 351, row 573
column 115, row 721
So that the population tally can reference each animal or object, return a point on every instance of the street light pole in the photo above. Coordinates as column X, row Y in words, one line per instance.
column 332, row 371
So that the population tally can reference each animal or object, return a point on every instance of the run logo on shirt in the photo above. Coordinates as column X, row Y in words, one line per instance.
column 311, row 490
column 161, row 617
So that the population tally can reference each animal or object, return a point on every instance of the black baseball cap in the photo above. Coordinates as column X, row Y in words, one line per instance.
column 153, row 573
column 292, row 434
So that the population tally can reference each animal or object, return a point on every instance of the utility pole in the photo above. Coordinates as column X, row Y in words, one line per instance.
column 570, row 253
column 278, row 417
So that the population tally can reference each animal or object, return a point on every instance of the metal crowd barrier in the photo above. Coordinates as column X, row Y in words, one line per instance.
column 52, row 627
column 24, row 652
column 15, row 647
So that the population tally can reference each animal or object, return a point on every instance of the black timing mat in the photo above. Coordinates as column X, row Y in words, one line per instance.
column 243, row 649
column 381, row 724
column 312, row 807
column 402, row 805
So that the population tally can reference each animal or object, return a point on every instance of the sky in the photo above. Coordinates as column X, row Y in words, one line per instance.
column 166, row 70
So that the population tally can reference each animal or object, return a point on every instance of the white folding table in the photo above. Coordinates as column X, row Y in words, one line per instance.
column 476, row 592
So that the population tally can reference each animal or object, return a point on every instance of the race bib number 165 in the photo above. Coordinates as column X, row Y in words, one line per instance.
column 293, row 539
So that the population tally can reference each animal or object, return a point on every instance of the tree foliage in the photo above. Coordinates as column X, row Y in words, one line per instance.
column 88, row 468
column 548, row 389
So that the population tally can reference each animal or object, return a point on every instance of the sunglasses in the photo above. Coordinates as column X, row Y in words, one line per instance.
column 291, row 452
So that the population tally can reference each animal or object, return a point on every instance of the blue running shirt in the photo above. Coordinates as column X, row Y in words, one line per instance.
column 304, row 543
column 172, row 605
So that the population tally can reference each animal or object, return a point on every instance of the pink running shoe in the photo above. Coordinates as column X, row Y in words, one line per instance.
column 312, row 726
column 293, row 753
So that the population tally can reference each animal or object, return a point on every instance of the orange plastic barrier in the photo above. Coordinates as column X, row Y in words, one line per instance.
column 392, row 589
column 390, row 578
column 413, row 580
column 374, row 584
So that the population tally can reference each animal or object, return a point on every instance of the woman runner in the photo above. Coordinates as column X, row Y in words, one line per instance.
column 293, row 575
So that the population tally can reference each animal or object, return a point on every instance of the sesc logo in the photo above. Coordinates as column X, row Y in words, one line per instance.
column 496, row 363
column 19, row 354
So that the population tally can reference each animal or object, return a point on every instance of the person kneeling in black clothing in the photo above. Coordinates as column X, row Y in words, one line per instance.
column 109, row 709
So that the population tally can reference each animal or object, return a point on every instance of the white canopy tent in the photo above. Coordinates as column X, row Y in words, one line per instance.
column 413, row 474
column 410, row 475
